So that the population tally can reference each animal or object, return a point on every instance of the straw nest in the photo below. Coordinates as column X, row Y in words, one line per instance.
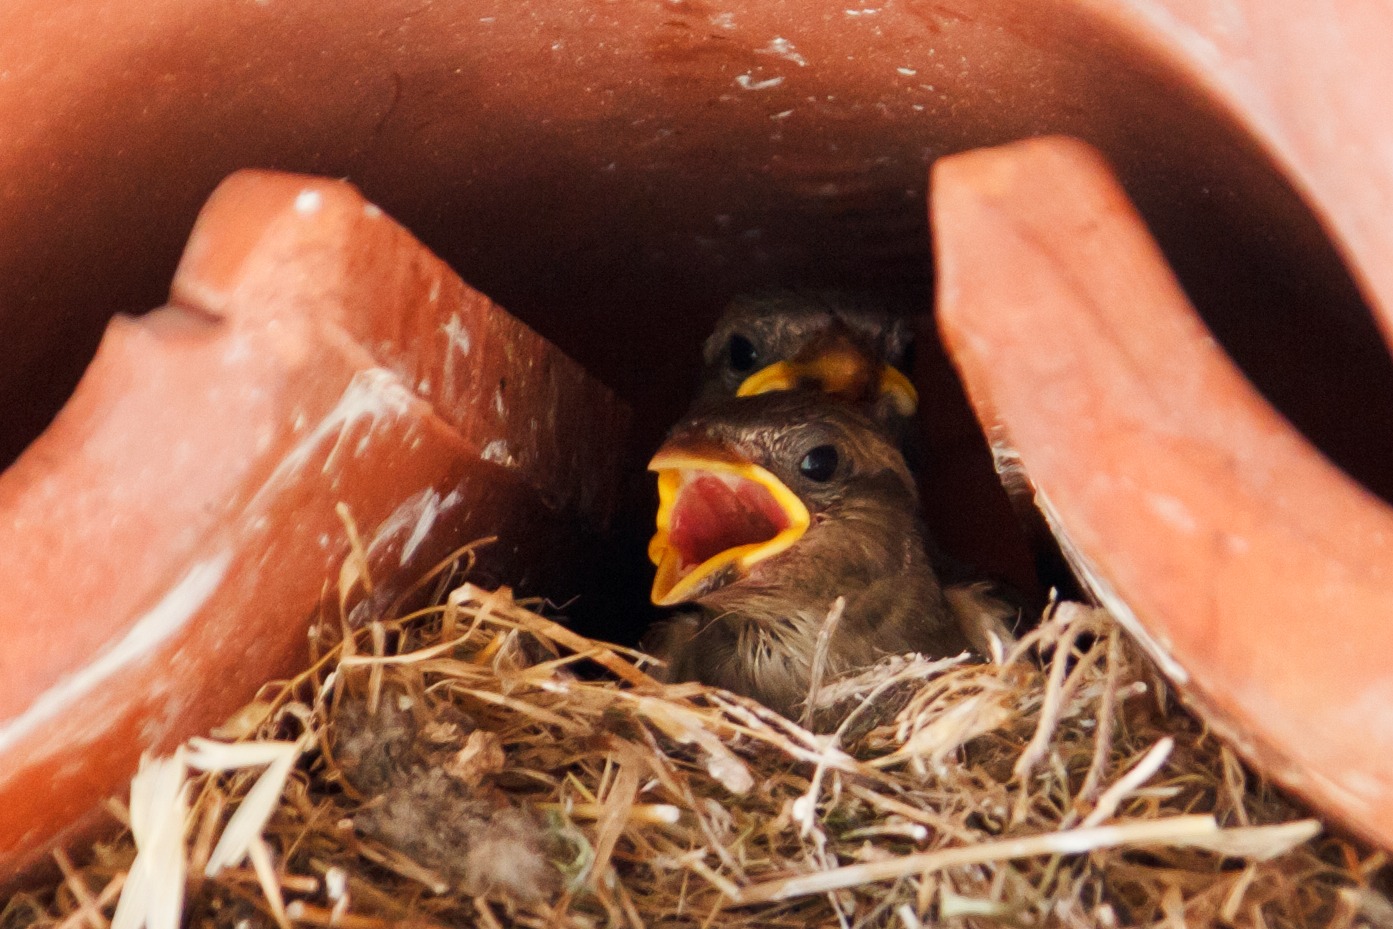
column 476, row 763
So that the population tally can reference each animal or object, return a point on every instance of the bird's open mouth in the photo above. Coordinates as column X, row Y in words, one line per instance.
column 717, row 517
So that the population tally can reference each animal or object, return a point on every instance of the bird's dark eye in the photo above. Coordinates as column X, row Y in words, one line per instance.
column 819, row 464
column 743, row 355
column 906, row 364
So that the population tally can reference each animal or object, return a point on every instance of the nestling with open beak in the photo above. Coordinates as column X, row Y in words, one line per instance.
column 833, row 341
column 851, row 346
column 770, row 508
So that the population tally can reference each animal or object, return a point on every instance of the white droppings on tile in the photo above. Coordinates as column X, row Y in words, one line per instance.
column 498, row 452
column 783, row 48
column 414, row 517
column 458, row 334
column 747, row 82
column 308, row 202
column 375, row 394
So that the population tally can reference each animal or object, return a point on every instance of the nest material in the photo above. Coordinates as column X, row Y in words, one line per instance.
column 476, row 763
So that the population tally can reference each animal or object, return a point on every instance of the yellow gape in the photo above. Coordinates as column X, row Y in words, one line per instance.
column 834, row 372
column 692, row 483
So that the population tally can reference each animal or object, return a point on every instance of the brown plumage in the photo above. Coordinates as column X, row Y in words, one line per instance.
column 856, row 348
column 731, row 542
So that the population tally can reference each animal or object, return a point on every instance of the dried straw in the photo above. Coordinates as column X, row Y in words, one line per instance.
column 477, row 763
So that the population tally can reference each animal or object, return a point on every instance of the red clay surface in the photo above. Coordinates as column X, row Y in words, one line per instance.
column 170, row 537
column 1259, row 574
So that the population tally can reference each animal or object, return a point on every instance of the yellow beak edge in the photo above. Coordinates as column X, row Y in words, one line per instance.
column 836, row 373
column 679, row 582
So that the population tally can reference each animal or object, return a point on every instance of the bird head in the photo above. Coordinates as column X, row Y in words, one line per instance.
column 825, row 340
column 743, row 482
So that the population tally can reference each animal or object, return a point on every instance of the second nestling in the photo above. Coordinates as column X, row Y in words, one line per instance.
column 831, row 341
column 786, row 511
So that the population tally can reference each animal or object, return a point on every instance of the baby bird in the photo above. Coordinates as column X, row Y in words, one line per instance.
column 852, row 347
column 837, row 342
column 771, row 507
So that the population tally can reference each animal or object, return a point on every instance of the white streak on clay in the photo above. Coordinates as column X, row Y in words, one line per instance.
column 375, row 394
column 783, row 48
column 416, row 514
column 459, row 340
column 747, row 82
column 143, row 640
column 498, row 453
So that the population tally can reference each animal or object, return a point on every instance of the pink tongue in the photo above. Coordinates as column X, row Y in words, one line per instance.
column 709, row 517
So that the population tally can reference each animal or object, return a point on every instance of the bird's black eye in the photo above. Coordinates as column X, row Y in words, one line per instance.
column 743, row 355
column 906, row 364
column 819, row 464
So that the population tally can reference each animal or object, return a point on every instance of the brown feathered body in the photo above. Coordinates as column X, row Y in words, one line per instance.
column 756, row 633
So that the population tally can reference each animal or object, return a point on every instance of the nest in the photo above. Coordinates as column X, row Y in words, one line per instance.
column 477, row 763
